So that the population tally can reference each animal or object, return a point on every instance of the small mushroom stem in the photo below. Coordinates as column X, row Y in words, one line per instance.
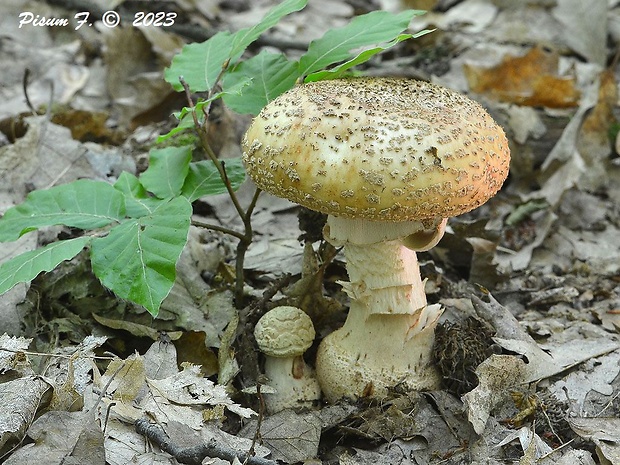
column 388, row 335
column 294, row 383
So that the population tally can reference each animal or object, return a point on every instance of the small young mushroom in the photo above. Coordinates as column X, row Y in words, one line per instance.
column 388, row 160
column 283, row 334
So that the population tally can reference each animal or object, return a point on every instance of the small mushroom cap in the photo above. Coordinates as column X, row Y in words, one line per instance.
column 381, row 149
column 284, row 332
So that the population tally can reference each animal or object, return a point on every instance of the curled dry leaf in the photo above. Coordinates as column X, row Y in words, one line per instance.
column 496, row 376
column 533, row 446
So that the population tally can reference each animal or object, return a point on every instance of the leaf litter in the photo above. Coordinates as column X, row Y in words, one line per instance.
column 552, row 271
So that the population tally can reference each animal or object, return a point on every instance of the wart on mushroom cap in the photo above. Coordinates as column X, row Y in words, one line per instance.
column 388, row 160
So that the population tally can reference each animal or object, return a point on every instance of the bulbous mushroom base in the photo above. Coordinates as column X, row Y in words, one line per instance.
column 354, row 365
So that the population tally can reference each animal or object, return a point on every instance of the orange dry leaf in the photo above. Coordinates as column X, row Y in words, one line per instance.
column 528, row 80
column 597, row 124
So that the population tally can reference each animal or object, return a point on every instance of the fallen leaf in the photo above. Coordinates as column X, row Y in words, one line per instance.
column 60, row 438
column 124, row 445
column 124, row 379
column 135, row 329
column 53, row 158
column 525, row 122
column 12, row 356
column 509, row 260
column 593, row 142
column 596, row 376
column 291, row 437
column 586, row 37
column 86, row 125
column 604, row 433
column 472, row 16
column 528, row 80
column 188, row 387
column 533, row 446
column 160, row 360
column 19, row 401
column 192, row 348
column 497, row 375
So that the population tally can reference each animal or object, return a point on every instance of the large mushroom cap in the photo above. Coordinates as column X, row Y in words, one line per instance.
column 377, row 148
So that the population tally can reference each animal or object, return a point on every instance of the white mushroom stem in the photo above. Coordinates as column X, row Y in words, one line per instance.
column 388, row 335
column 283, row 334
column 385, row 276
column 293, row 381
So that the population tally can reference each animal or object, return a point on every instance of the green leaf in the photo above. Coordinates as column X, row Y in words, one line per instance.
column 137, row 259
column 370, row 29
column 84, row 204
column 204, row 179
column 138, row 202
column 25, row 267
column 186, row 115
column 200, row 64
column 267, row 74
column 167, row 170
column 244, row 37
column 525, row 210
column 186, row 121
column 362, row 57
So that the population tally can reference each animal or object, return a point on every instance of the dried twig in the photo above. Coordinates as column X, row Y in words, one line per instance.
column 196, row 454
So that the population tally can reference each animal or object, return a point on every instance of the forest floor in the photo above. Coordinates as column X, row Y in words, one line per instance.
column 538, row 266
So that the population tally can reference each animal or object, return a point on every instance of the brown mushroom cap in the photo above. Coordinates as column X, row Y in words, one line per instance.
column 381, row 149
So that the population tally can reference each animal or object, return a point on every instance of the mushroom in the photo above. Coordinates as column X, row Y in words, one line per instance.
column 283, row 334
column 389, row 160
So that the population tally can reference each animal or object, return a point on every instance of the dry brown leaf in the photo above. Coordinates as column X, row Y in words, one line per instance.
column 69, row 438
column 19, row 401
column 593, row 141
column 601, row 117
column 87, row 125
column 124, row 379
column 191, row 347
column 530, row 80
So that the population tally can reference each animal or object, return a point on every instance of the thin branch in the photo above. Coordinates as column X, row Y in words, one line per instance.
column 209, row 151
column 216, row 227
column 245, row 238
column 259, row 422
column 25, row 80
column 252, row 205
column 48, row 354
column 222, row 172
column 242, row 248
column 196, row 454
